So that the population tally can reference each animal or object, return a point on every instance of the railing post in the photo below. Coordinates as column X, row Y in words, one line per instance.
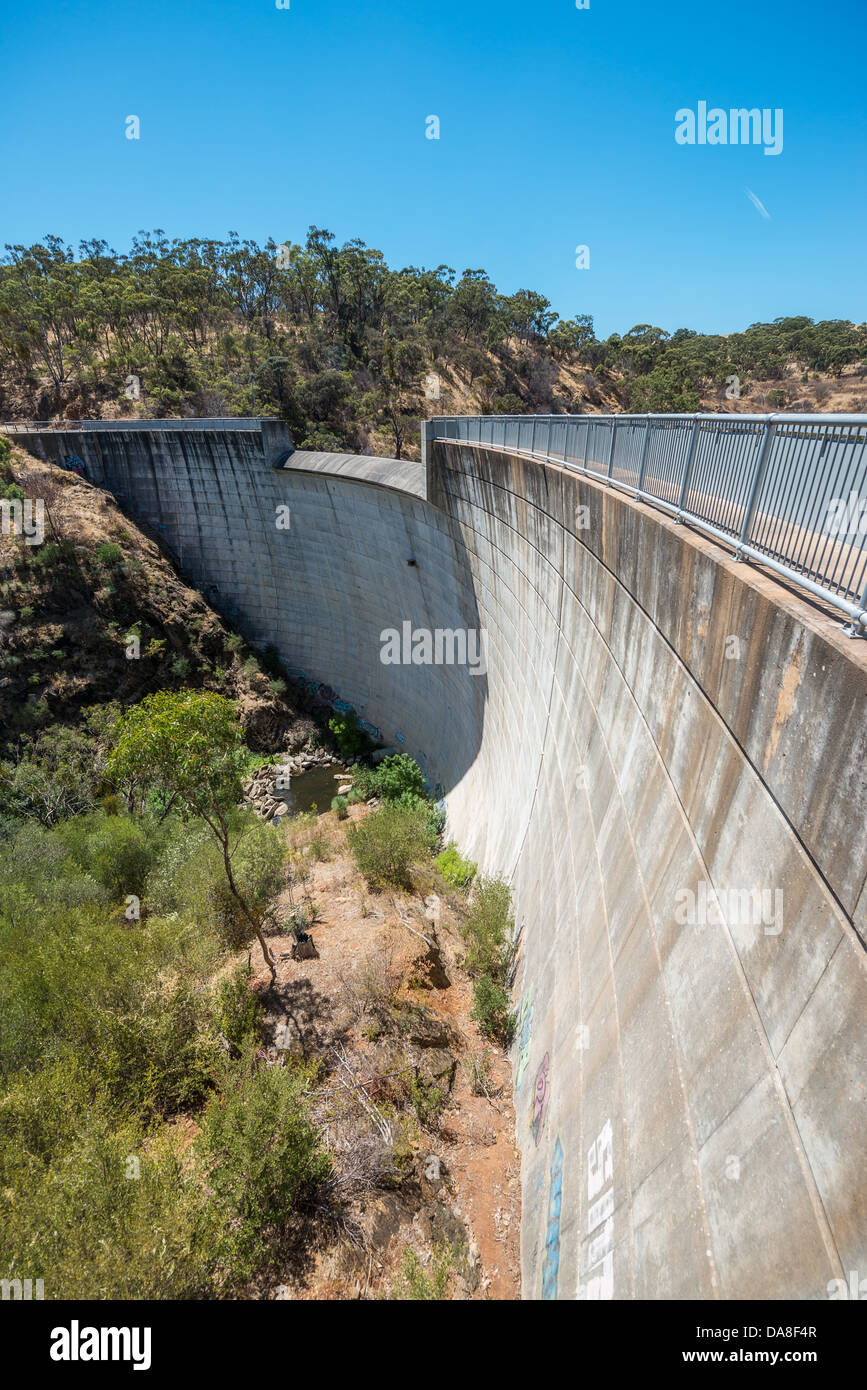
column 643, row 454
column 687, row 470
column 550, row 430
column 611, row 446
column 749, row 514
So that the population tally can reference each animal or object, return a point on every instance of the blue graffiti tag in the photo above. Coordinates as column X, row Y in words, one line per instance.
column 551, row 1267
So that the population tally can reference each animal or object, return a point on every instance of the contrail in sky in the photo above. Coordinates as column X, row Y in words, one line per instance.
column 757, row 202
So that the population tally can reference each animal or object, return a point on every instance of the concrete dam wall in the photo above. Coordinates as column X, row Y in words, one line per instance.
column 664, row 751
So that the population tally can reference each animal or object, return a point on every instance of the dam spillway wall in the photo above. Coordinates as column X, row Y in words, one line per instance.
column 665, row 754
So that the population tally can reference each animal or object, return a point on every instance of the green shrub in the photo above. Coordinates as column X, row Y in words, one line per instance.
column 59, row 771
column 54, row 554
column 491, row 1010
column 237, row 1011
column 350, row 740
column 101, row 1210
column 226, row 915
column 398, row 776
column 488, row 930
column 112, row 1031
column 389, row 841
column 455, row 870
column 108, row 554
column 115, row 850
column 426, row 1099
column 434, row 817
column 262, row 1155
column 340, row 806
column 190, row 877
column 364, row 784
column 320, row 846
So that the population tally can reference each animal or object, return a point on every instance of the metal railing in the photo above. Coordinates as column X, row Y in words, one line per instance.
column 788, row 491
column 88, row 426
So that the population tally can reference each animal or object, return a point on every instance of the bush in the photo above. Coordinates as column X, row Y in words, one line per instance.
column 350, row 740
column 112, row 1031
column 488, row 930
column 364, row 783
column 54, row 554
column 388, row 842
column 398, row 776
column 340, row 806
column 262, row 1155
column 190, row 877
column 59, row 772
column 455, row 870
column 108, row 554
column 237, row 1011
column 100, row 1212
column 116, row 851
column 491, row 1010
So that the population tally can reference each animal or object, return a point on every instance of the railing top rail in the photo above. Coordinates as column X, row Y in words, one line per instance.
column 782, row 417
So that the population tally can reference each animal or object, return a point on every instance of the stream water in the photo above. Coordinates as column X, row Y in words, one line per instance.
column 316, row 787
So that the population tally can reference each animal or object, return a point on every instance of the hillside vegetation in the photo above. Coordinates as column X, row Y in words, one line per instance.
column 352, row 353
column 96, row 616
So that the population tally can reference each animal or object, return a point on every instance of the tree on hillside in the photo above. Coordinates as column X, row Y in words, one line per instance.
column 396, row 400
column 185, row 748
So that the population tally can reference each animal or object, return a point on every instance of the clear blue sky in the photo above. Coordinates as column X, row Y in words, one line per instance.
column 557, row 129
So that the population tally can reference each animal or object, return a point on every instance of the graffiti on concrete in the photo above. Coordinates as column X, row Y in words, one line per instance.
column 600, row 1217
column 525, row 1033
column 551, row 1267
column 319, row 690
column 540, row 1099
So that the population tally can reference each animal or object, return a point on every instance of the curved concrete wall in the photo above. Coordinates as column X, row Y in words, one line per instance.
column 658, row 730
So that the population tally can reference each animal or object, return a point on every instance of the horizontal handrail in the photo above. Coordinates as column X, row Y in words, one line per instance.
column 787, row 491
